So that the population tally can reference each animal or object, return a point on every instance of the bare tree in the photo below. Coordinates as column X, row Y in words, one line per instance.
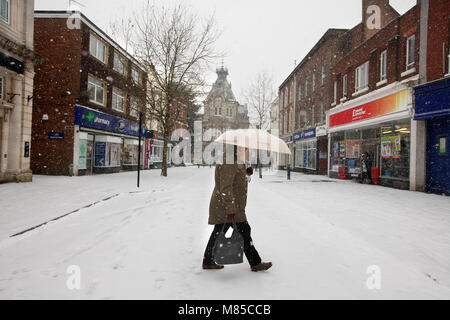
column 259, row 97
column 177, row 47
column 121, row 29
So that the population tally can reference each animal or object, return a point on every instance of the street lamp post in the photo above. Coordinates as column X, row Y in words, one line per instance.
column 139, row 150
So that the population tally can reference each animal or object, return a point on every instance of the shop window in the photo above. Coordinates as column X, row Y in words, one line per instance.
column 410, row 49
column 395, row 151
column 131, row 152
column 362, row 77
column 4, row 10
column 107, row 154
column 97, row 48
column 96, row 91
column 305, row 155
column 118, row 100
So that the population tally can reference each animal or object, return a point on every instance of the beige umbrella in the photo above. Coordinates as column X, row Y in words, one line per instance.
column 254, row 139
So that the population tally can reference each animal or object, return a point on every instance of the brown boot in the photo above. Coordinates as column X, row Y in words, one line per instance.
column 263, row 266
column 212, row 266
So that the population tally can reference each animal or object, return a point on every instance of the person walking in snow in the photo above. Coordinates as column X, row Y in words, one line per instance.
column 228, row 202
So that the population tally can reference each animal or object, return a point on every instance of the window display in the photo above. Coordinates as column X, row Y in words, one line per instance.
column 131, row 152
column 107, row 151
column 306, row 154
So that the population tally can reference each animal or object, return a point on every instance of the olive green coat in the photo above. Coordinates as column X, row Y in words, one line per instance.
column 230, row 194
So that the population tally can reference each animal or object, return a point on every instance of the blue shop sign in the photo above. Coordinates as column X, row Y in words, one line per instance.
column 90, row 118
column 305, row 134
column 432, row 100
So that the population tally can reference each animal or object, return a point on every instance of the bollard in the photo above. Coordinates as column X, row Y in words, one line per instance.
column 289, row 172
column 260, row 171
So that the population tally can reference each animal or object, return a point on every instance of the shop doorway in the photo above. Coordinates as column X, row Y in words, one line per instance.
column 438, row 156
column 89, row 154
column 372, row 147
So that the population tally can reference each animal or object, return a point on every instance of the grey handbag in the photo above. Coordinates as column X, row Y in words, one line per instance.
column 229, row 250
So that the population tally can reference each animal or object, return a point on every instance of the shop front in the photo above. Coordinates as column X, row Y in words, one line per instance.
column 154, row 147
column 432, row 104
column 104, row 143
column 305, row 152
column 379, row 128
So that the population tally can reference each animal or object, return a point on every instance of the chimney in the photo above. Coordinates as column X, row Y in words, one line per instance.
column 376, row 15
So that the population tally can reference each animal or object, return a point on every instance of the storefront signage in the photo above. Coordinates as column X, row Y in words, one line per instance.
column 89, row 118
column 56, row 135
column 386, row 105
column 432, row 100
column 305, row 134
column 287, row 139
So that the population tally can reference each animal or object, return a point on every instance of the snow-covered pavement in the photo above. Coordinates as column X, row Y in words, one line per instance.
column 322, row 235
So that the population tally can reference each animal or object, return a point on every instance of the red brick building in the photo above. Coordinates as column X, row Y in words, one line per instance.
column 87, row 98
column 304, row 98
column 372, row 103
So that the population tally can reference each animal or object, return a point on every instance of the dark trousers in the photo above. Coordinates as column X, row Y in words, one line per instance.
column 244, row 229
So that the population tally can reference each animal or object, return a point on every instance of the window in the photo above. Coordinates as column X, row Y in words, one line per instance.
column 118, row 100
column 410, row 44
column 134, row 108
column 383, row 57
column 299, row 92
column 322, row 112
column 96, row 91
column 306, row 88
column 313, row 115
column 362, row 77
column 135, row 75
column 119, row 63
column 335, row 92
column 1, row 88
column 344, row 86
column 4, row 10
column 291, row 93
column 323, row 74
column 97, row 48
column 314, row 81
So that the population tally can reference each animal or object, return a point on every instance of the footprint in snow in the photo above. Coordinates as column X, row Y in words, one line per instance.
column 159, row 283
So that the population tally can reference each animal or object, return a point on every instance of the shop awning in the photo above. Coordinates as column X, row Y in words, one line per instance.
column 432, row 100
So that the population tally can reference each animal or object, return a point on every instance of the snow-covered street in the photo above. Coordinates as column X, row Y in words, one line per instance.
column 148, row 243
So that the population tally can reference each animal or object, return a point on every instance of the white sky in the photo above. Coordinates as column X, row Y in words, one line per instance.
column 269, row 34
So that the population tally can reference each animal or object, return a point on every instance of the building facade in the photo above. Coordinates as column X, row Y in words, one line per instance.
column 304, row 99
column 373, row 105
column 88, row 95
column 221, row 109
column 17, row 60
column 432, row 95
